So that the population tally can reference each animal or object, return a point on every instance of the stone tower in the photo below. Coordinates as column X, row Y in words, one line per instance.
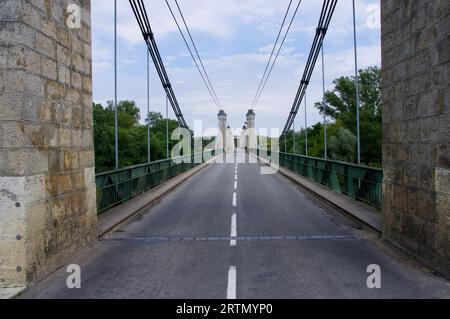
column 416, row 128
column 222, row 137
column 251, row 130
column 47, row 173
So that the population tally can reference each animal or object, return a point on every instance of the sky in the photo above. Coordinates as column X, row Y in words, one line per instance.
column 234, row 38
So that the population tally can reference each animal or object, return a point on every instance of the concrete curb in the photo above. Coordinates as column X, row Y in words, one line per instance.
column 123, row 214
column 11, row 293
column 362, row 213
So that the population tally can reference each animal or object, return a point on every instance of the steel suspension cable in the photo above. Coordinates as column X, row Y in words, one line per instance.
column 306, row 128
column 326, row 15
column 271, row 54
column 140, row 13
column 278, row 53
column 116, row 121
column 149, row 157
column 210, row 89
column 324, row 104
column 141, row 16
column 358, row 138
column 198, row 55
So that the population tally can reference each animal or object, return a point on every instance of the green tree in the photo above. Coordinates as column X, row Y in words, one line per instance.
column 132, row 135
column 341, row 146
column 153, row 118
column 128, row 113
column 341, row 107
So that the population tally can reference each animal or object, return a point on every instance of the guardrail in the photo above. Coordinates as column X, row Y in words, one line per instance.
column 116, row 187
column 362, row 183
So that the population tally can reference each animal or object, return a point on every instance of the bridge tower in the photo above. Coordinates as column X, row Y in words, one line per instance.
column 243, row 138
column 47, row 174
column 222, row 137
column 416, row 128
column 251, row 139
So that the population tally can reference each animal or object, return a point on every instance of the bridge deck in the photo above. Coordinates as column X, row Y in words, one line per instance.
column 288, row 245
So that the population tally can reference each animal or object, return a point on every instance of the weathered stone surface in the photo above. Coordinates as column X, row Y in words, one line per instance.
column 47, row 186
column 416, row 128
column 45, row 45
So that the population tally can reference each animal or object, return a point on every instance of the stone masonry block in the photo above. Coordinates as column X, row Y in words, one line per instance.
column 11, row 10
column 45, row 45
column 87, row 85
column 63, row 55
column 32, row 16
column 47, row 181
column 77, row 116
column 11, row 106
column 63, row 74
column 22, row 135
column 49, row 69
column 444, row 127
column 87, row 100
column 54, row 90
column 76, row 135
column 42, row 5
column 65, row 137
column 21, row 57
column 16, row 33
column 76, row 81
column 19, row 81
column 38, row 217
column 18, row 162
column 87, row 139
column 49, row 27
column 63, row 114
column 443, row 155
column 72, row 96
column 443, row 181
column 12, row 261
column 78, row 62
column 416, row 128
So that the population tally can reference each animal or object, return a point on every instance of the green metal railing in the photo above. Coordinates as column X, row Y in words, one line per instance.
column 116, row 187
column 362, row 183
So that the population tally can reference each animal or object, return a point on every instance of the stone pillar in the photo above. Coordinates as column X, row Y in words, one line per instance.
column 243, row 138
column 229, row 140
column 416, row 127
column 251, row 130
column 47, row 181
column 222, row 138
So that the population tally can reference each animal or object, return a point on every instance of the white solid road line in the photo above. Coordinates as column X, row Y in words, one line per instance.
column 233, row 242
column 235, row 184
column 231, row 289
column 234, row 200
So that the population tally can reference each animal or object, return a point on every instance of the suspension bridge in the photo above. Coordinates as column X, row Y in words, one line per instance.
column 242, row 218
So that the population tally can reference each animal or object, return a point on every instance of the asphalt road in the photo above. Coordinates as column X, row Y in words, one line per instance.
column 231, row 232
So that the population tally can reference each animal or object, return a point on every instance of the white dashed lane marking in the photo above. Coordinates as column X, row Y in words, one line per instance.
column 233, row 235
column 231, row 288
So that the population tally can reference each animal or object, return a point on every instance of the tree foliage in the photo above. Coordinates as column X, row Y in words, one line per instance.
column 342, row 131
column 132, row 135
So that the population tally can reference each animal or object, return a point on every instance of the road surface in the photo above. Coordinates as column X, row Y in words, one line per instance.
column 230, row 232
